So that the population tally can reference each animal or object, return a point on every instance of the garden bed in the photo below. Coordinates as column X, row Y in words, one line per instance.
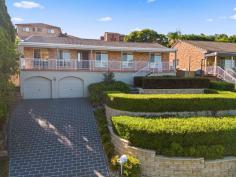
column 172, row 102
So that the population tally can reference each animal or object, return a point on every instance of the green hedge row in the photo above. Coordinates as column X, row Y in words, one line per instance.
column 3, row 113
column 217, row 85
column 97, row 90
column 170, row 82
column 172, row 102
column 211, row 138
column 132, row 167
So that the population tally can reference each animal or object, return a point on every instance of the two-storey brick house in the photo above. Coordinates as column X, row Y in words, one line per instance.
column 56, row 65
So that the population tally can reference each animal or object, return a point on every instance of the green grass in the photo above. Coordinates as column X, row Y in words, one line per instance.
column 3, row 168
column 207, row 137
column 224, row 100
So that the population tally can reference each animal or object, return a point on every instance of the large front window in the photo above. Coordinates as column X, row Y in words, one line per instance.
column 127, row 60
column 101, row 59
column 155, row 61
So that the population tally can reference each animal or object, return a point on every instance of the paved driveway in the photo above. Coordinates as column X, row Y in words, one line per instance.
column 55, row 138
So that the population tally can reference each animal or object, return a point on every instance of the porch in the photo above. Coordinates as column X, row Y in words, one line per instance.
column 225, row 61
column 35, row 64
column 53, row 59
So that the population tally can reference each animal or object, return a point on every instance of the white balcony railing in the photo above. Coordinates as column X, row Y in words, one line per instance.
column 90, row 65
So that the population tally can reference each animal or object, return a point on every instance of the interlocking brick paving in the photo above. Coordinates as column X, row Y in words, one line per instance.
column 55, row 138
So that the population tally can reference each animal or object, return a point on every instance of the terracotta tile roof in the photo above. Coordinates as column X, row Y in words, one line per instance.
column 210, row 46
column 90, row 42
column 42, row 25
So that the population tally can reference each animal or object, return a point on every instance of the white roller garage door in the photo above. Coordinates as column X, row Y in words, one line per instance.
column 37, row 88
column 71, row 87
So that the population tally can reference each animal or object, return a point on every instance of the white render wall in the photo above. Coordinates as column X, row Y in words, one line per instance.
column 87, row 78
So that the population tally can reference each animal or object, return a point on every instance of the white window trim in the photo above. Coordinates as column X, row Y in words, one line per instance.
column 129, row 61
column 103, row 62
column 26, row 29
column 157, row 63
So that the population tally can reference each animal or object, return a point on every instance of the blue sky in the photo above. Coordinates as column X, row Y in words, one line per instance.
column 91, row 18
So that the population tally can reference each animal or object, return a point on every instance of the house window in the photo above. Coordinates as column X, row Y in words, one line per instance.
column 101, row 59
column 155, row 61
column 37, row 54
column 51, row 31
column 65, row 55
column 26, row 29
column 127, row 60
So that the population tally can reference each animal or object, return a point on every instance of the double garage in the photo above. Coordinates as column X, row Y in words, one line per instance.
column 38, row 87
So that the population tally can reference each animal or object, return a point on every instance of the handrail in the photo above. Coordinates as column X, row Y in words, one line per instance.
column 88, row 65
column 221, row 74
column 155, row 68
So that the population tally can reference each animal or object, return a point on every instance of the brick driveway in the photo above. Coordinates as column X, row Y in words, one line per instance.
column 55, row 138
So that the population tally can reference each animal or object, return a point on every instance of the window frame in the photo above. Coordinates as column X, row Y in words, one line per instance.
column 127, row 60
column 101, row 61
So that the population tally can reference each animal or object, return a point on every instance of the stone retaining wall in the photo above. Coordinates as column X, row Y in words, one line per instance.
column 110, row 112
column 153, row 165
column 171, row 91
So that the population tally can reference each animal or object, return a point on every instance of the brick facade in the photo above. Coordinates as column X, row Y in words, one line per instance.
column 112, row 55
column 37, row 30
column 190, row 57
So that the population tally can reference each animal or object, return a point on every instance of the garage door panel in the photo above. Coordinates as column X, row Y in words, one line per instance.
column 71, row 87
column 37, row 88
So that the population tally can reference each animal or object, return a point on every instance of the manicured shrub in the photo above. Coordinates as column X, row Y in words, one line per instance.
column 97, row 90
column 172, row 102
column 170, row 82
column 219, row 85
column 208, row 137
column 105, row 134
column 130, row 169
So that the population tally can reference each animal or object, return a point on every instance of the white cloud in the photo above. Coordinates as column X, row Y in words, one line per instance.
column 235, row 9
column 209, row 20
column 28, row 5
column 137, row 29
column 17, row 19
column 105, row 19
column 150, row 1
column 233, row 17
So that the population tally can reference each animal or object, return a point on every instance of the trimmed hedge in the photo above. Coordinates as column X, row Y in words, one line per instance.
column 97, row 90
column 206, row 137
column 218, row 85
column 172, row 102
column 170, row 83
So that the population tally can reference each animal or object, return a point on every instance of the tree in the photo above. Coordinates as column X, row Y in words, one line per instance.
column 5, row 22
column 8, row 54
column 147, row 35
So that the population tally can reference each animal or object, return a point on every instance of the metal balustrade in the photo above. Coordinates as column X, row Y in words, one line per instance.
column 91, row 65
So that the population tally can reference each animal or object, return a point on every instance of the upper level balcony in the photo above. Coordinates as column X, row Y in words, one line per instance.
column 33, row 64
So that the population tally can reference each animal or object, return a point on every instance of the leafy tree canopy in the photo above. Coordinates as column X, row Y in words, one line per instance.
column 8, row 54
column 146, row 35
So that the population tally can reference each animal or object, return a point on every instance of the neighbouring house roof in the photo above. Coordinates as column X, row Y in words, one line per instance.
column 79, row 43
column 214, row 47
column 42, row 25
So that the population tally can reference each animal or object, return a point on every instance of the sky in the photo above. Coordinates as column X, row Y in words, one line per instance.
column 91, row 18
